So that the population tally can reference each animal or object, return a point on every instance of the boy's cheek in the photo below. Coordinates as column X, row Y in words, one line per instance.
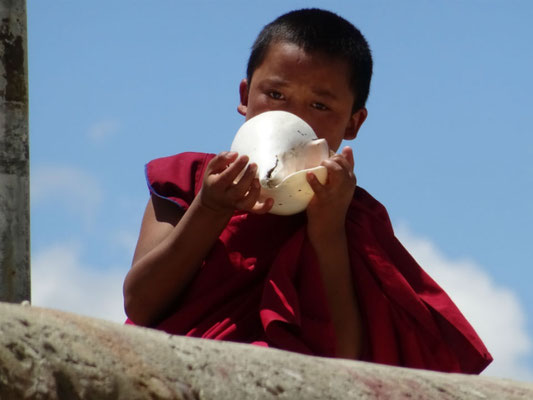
column 263, row 105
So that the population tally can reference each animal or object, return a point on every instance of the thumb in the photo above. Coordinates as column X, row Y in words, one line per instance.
column 347, row 152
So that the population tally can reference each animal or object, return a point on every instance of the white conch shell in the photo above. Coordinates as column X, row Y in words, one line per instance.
column 285, row 148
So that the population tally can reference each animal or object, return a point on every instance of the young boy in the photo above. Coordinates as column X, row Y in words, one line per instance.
column 332, row 281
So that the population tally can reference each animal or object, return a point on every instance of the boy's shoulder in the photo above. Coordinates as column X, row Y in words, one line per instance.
column 177, row 178
column 364, row 201
column 185, row 159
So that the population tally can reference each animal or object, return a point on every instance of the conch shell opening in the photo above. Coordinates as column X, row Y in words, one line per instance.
column 285, row 148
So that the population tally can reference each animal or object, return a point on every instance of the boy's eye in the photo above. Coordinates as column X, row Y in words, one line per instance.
column 275, row 95
column 320, row 106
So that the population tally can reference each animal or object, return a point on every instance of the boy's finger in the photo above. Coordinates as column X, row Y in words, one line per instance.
column 347, row 152
column 339, row 169
column 245, row 181
column 314, row 183
column 335, row 165
column 233, row 170
column 339, row 160
column 250, row 198
column 264, row 207
column 220, row 162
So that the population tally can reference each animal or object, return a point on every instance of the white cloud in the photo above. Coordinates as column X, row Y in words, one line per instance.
column 102, row 130
column 68, row 187
column 61, row 280
column 493, row 310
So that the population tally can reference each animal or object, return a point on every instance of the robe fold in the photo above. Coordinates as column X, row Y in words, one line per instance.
column 261, row 284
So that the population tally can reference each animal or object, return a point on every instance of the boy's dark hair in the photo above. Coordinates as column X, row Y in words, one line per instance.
column 316, row 30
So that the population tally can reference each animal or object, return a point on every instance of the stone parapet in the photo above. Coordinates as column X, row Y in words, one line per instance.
column 48, row 354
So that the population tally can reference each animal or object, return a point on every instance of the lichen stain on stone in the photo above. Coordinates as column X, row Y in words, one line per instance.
column 13, row 57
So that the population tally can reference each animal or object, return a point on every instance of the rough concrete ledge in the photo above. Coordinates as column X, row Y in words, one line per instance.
column 47, row 354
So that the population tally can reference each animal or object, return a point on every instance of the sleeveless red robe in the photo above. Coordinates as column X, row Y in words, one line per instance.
column 260, row 284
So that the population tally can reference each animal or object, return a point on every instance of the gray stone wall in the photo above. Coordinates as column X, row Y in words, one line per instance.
column 14, row 154
column 46, row 354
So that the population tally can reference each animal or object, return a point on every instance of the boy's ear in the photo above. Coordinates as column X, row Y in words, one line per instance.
column 242, row 108
column 356, row 120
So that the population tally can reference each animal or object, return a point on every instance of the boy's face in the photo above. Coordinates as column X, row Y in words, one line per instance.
column 311, row 85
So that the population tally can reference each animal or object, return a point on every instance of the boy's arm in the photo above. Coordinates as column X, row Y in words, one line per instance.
column 332, row 254
column 172, row 244
column 326, row 230
column 161, row 266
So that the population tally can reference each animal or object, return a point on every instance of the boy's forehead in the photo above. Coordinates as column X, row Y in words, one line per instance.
column 285, row 49
column 281, row 53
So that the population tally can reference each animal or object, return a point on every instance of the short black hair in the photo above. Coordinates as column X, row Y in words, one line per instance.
column 316, row 30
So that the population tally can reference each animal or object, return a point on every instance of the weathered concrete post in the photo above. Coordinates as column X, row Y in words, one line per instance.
column 14, row 154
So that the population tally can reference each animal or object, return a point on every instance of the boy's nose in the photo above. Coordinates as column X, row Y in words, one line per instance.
column 298, row 109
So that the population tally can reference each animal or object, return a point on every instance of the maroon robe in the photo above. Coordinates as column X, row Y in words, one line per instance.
column 261, row 284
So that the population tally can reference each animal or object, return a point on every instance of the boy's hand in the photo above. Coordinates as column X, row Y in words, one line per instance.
column 223, row 193
column 327, row 209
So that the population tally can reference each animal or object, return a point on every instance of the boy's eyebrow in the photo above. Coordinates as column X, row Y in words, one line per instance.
column 274, row 82
column 324, row 93
column 319, row 91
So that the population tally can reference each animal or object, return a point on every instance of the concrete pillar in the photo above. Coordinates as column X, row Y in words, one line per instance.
column 14, row 154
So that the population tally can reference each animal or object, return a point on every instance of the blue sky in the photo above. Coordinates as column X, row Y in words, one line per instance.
column 447, row 147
